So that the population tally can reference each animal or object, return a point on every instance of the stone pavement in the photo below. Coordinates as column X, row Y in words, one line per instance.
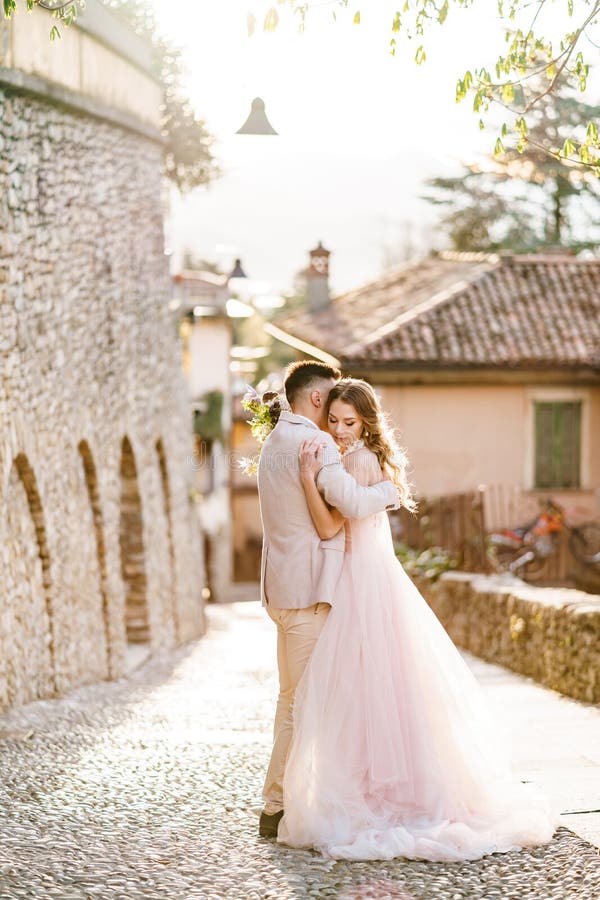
column 148, row 788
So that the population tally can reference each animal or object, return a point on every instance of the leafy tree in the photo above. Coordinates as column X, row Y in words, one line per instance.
column 529, row 53
column 188, row 155
column 189, row 160
column 523, row 200
column 193, row 262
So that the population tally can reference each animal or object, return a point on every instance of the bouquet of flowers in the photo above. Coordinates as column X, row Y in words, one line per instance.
column 265, row 413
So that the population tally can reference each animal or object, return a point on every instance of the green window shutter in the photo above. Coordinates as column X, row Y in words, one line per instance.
column 558, row 444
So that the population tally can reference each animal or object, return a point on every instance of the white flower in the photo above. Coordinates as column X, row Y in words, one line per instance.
column 250, row 395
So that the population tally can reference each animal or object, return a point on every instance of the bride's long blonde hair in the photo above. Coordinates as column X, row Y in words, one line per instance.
column 377, row 434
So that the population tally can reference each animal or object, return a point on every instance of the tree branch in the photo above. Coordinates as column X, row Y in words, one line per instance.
column 568, row 52
column 44, row 4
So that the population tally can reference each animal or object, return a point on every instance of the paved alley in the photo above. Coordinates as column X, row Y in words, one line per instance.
column 149, row 787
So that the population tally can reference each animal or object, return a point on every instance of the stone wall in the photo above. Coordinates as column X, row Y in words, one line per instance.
column 549, row 634
column 99, row 543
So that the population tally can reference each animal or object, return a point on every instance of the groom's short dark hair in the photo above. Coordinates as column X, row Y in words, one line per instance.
column 303, row 374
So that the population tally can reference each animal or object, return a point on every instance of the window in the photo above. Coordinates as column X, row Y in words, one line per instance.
column 558, row 444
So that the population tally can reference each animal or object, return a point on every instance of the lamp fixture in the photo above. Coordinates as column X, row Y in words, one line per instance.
column 237, row 271
column 257, row 122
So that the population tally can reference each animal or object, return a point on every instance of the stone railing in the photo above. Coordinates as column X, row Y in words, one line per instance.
column 549, row 634
column 100, row 66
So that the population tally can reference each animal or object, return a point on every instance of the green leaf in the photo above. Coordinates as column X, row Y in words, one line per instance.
column 356, row 19
column 591, row 133
column 498, row 148
column 271, row 20
column 521, row 126
column 54, row 33
column 420, row 55
column 568, row 148
column 508, row 93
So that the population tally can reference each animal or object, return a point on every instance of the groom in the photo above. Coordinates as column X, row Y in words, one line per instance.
column 299, row 571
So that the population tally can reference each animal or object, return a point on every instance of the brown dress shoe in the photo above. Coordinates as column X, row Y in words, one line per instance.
column 268, row 825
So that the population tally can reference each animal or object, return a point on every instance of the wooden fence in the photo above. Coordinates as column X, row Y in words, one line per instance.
column 462, row 522
column 454, row 522
column 459, row 523
column 507, row 505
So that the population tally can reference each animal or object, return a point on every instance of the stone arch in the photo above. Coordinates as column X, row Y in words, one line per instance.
column 133, row 563
column 166, row 493
column 30, row 656
column 91, row 482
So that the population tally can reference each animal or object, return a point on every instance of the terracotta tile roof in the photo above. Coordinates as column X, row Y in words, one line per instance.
column 463, row 311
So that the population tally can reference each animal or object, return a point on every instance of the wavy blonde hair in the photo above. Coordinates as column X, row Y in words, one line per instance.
column 378, row 434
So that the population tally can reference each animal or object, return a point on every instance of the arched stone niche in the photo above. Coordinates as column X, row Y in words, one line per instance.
column 133, row 564
column 26, row 621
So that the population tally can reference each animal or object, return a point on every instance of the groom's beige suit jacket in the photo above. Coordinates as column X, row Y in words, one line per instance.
column 299, row 569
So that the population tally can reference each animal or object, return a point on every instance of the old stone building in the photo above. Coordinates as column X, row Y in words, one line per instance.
column 99, row 544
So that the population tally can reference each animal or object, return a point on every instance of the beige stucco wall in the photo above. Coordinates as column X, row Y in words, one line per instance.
column 247, row 522
column 594, row 437
column 207, row 362
column 460, row 436
column 80, row 63
column 245, row 508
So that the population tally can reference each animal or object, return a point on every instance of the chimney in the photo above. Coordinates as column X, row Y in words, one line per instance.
column 317, row 279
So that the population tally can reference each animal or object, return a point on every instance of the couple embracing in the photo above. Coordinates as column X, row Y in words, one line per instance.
column 382, row 747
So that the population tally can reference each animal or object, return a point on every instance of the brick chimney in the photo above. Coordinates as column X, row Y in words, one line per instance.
column 317, row 279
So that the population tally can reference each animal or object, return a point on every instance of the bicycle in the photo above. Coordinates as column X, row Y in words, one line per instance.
column 528, row 546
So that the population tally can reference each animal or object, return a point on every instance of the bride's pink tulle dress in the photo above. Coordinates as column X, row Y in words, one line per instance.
column 393, row 752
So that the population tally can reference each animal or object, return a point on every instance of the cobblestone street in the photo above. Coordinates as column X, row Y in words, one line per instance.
column 149, row 787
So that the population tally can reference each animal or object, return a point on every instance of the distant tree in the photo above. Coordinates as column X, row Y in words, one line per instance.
column 189, row 160
column 197, row 263
column 525, row 199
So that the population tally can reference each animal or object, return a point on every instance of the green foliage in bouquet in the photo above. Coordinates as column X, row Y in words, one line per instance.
column 265, row 413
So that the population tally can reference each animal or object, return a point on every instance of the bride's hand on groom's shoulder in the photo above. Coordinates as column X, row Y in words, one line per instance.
column 310, row 457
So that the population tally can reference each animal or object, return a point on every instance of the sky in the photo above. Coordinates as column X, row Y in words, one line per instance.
column 359, row 131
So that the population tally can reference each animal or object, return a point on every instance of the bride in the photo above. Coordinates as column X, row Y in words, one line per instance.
column 393, row 753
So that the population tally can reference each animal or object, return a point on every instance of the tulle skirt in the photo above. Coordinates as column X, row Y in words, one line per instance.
column 393, row 752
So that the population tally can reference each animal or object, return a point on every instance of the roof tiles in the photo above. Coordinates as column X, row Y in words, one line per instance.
column 465, row 310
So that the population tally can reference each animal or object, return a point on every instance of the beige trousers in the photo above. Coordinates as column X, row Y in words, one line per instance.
column 297, row 633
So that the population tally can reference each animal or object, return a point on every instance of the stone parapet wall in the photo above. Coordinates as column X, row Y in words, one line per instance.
column 549, row 634
column 100, row 58
column 95, row 443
